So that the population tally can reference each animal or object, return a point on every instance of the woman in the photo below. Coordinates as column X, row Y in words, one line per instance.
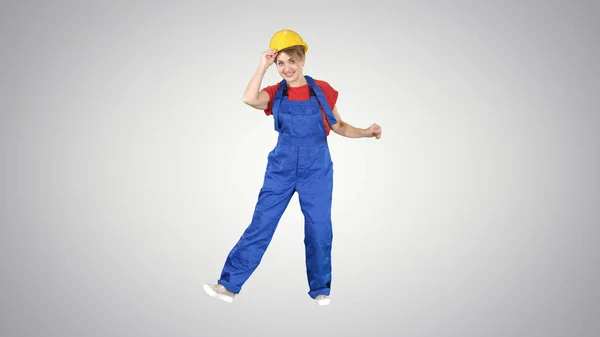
column 304, row 112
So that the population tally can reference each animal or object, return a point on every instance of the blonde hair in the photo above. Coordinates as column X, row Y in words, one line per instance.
column 294, row 52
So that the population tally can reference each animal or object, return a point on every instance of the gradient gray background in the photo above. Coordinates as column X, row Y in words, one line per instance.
column 130, row 167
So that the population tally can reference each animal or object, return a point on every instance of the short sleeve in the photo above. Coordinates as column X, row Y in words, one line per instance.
column 271, row 90
column 330, row 93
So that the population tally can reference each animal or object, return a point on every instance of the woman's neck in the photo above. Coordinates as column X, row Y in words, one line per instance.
column 298, row 83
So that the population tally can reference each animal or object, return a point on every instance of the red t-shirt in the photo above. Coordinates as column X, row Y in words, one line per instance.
column 303, row 93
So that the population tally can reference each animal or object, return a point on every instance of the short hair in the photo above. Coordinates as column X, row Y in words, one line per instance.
column 294, row 52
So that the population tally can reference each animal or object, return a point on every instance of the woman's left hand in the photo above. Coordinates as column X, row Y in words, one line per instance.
column 373, row 131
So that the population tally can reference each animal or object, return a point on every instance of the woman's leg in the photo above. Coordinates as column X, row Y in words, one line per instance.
column 246, row 255
column 274, row 197
column 315, row 196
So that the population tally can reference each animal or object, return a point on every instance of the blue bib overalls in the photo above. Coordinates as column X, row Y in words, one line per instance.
column 300, row 162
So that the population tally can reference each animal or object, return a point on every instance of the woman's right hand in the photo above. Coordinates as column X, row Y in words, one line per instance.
column 267, row 58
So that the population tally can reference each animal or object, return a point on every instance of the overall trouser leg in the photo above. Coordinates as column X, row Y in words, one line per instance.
column 274, row 197
column 315, row 196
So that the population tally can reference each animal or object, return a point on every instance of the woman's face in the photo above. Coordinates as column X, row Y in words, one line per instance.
column 289, row 68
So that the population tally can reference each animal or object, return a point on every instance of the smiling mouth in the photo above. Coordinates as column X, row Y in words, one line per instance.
column 289, row 74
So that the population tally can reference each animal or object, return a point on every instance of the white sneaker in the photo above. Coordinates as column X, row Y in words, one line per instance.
column 322, row 300
column 219, row 291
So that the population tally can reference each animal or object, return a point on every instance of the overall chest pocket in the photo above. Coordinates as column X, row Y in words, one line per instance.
column 300, row 119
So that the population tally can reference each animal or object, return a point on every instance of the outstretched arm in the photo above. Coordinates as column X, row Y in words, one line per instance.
column 344, row 129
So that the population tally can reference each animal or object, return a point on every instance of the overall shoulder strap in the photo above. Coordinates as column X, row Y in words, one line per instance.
column 322, row 100
column 277, row 102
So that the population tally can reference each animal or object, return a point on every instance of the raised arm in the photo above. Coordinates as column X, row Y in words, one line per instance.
column 253, row 96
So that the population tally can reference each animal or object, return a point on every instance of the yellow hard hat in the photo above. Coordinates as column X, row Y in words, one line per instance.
column 287, row 38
